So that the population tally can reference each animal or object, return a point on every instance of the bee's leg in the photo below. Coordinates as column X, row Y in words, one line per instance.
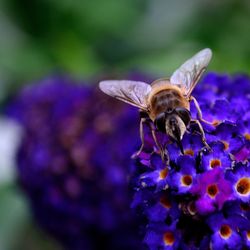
column 142, row 121
column 199, row 111
column 203, row 137
column 163, row 150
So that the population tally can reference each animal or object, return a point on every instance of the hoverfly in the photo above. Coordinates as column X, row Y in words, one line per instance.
column 166, row 102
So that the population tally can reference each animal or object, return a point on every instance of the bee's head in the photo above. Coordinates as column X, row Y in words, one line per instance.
column 174, row 123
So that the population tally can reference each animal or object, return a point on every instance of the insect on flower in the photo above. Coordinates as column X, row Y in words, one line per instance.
column 165, row 102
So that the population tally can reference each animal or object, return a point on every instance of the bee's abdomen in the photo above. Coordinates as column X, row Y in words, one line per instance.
column 166, row 100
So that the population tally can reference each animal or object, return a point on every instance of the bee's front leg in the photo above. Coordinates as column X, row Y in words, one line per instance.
column 142, row 121
column 163, row 150
column 199, row 111
column 203, row 137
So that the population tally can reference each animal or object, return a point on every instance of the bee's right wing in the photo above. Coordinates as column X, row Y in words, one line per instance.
column 187, row 76
column 132, row 92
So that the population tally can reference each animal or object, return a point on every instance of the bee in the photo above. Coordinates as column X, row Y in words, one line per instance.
column 165, row 102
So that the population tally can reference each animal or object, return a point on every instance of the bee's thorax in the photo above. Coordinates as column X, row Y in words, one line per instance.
column 166, row 100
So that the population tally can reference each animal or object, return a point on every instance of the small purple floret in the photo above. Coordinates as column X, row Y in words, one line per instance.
column 212, row 190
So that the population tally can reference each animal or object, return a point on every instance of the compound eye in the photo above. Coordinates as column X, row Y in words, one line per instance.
column 160, row 122
column 184, row 114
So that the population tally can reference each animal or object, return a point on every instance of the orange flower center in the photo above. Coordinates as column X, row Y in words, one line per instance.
column 186, row 180
column 214, row 163
column 215, row 122
column 243, row 186
column 168, row 238
column 226, row 145
column 189, row 151
column 163, row 173
column 247, row 136
column 245, row 207
column 212, row 190
column 165, row 202
column 225, row 231
column 248, row 235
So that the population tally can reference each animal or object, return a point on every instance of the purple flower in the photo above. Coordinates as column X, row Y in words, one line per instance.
column 244, row 131
column 182, row 180
column 209, row 191
column 212, row 190
column 158, row 174
column 240, row 209
column 243, row 154
column 229, row 134
column 218, row 158
column 165, row 209
column 246, row 238
column 166, row 237
column 225, row 231
column 191, row 146
column 73, row 163
column 218, row 111
column 239, row 177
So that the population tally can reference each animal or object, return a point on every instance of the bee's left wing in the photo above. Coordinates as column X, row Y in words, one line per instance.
column 132, row 92
column 187, row 76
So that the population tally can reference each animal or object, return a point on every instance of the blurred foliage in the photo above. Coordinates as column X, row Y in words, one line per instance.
column 87, row 38
column 93, row 38
column 17, row 228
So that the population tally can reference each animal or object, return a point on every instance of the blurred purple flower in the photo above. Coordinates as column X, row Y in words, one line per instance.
column 204, row 202
column 73, row 163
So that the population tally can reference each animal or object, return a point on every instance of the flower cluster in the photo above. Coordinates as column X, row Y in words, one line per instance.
column 201, row 200
column 73, row 163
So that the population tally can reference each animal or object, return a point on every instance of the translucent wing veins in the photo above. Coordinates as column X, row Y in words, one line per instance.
column 190, row 72
column 132, row 92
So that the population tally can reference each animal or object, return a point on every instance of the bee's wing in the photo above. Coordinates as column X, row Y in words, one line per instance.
column 187, row 76
column 132, row 92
